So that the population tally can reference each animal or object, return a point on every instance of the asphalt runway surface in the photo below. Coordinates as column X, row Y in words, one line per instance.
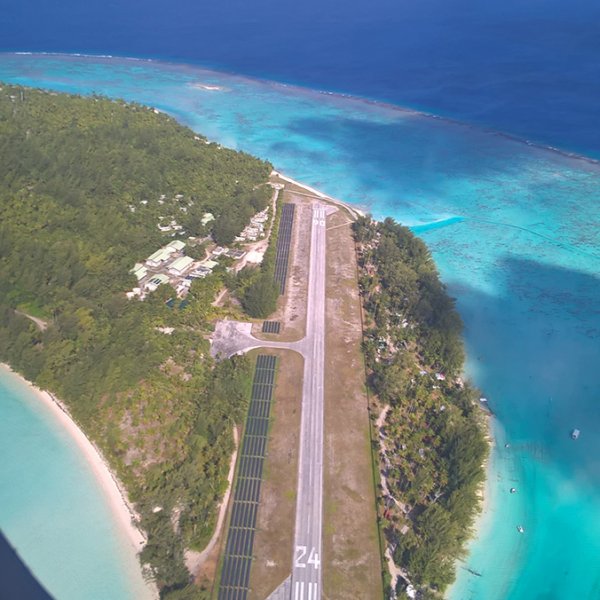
column 306, row 565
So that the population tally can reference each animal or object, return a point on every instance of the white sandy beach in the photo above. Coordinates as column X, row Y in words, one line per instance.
column 114, row 492
column 351, row 209
column 486, row 507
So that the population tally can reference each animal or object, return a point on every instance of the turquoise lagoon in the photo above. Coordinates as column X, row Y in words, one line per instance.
column 52, row 508
column 514, row 230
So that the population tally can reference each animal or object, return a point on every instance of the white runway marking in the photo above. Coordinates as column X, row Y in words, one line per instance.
column 306, row 572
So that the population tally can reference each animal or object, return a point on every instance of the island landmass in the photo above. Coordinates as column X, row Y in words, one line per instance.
column 105, row 203
column 429, row 428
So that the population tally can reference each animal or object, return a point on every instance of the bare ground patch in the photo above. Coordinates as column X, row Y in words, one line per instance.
column 351, row 561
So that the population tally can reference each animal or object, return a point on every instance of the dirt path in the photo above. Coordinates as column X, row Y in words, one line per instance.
column 40, row 323
column 256, row 250
column 220, row 296
column 194, row 561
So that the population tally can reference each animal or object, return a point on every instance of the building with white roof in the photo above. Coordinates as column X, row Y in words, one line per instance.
column 209, row 264
column 207, row 218
column 139, row 271
column 160, row 256
column 180, row 265
column 156, row 281
column 177, row 244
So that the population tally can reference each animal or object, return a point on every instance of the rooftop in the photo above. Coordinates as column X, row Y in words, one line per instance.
column 176, row 244
column 207, row 218
column 160, row 278
column 139, row 271
column 209, row 264
column 161, row 255
column 181, row 263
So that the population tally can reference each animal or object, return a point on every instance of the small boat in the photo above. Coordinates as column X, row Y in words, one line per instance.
column 513, row 490
column 520, row 529
column 507, row 445
column 575, row 434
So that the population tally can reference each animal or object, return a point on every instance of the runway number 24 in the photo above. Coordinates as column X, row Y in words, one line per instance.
column 313, row 558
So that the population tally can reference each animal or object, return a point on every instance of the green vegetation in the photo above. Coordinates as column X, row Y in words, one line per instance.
column 83, row 185
column 256, row 288
column 260, row 297
column 229, row 224
column 432, row 443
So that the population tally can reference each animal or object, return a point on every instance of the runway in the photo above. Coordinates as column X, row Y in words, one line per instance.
column 233, row 337
column 306, row 566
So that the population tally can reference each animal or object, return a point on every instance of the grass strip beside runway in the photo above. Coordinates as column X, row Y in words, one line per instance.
column 235, row 574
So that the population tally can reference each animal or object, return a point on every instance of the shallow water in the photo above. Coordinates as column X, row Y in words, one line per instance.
column 52, row 509
column 514, row 231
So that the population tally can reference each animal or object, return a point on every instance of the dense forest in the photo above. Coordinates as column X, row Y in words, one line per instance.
column 255, row 287
column 429, row 431
column 84, row 182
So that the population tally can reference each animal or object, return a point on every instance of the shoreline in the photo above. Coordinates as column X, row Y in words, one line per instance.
column 353, row 210
column 486, row 507
column 112, row 489
column 115, row 492
column 488, row 424
column 545, row 146
column 484, row 491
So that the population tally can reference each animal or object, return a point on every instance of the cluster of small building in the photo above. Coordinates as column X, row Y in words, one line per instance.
column 170, row 265
column 256, row 229
column 169, row 224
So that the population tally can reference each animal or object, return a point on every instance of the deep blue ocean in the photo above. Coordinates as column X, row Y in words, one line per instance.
column 514, row 228
column 528, row 67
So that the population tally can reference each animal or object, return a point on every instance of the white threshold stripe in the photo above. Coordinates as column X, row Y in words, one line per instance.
column 299, row 591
